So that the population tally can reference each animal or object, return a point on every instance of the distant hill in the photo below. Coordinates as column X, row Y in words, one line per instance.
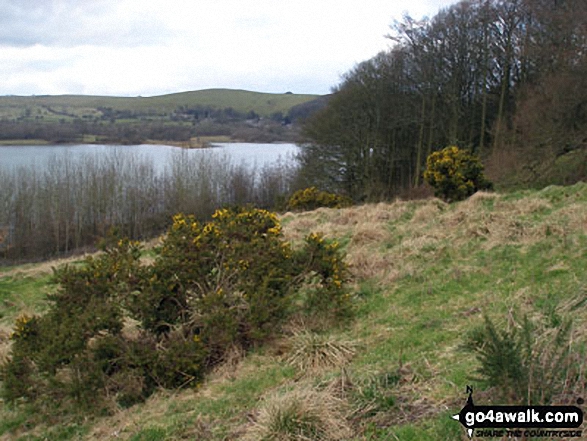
column 242, row 101
column 178, row 117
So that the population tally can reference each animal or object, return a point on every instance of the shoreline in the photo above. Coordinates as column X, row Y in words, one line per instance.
column 204, row 142
column 191, row 144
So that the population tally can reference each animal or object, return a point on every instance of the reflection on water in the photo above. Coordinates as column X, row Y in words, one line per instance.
column 255, row 155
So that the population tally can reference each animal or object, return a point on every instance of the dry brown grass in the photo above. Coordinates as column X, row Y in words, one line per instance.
column 420, row 245
column 5, row 344
column 384, row 212
column 366, row 222
column 367, row 233
column 430, row 211
column 434, row 228
column 475, row 198
column 40, row 269
column 573, row 217
column 123, row 424
column 302, row 414
column 229, row 367
column 383, row 243
column 131, row 329
column 532, row 205
column 363, row 263
column 506, row 224
column 366, row 225
column 298, row 227
column 310, row 352
column 43, row 268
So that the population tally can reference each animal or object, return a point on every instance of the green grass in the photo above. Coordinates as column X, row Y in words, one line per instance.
column 12, row 421
column 150, row 434
column 59, row 433
column 17, row 425
column 500, row 256
column 141, row 114
column 12, row 142
column 76, row 106
column 20, row 293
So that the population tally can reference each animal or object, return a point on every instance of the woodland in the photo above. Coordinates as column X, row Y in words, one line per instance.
column 506, row 79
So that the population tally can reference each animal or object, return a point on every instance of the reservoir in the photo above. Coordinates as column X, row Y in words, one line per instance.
column 59, row 198
column 38, row 157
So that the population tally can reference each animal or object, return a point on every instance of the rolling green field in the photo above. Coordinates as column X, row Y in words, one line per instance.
column 79, row 106
column 175, row 118
column 424, row 275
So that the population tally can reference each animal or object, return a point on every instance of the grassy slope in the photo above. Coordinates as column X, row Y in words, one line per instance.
column 240, row 100
column 424, row 274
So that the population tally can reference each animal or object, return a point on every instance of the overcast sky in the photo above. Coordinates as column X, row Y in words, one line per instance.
column 153, row 47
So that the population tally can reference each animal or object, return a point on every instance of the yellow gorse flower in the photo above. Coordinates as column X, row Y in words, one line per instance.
column 21, row 326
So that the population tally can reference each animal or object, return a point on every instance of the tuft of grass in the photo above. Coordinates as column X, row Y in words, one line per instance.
column 419, row 292
column 311, row 352
column 302, row 414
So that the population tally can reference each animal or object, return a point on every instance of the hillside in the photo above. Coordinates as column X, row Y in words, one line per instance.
column 242, row 101
column 424, row 274
column 174, row 117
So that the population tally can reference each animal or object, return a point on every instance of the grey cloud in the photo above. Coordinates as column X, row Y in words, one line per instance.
column 68, row 23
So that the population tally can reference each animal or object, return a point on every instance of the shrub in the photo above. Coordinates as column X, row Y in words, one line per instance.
column 455, row 174
column 229, row 279
column 59, row 354
column 327, row 274
column 525, row 365
column 230, row 282
column 312, row 198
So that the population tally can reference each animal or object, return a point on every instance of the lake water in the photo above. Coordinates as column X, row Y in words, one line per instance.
column 258, row 155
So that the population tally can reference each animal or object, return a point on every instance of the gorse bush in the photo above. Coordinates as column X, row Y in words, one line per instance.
column 525, row 364
column 229, row 280
column 213, row 286
column 312, row 198
column 326, row 293
column 455, row 174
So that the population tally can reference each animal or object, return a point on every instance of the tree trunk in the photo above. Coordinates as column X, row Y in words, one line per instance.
column 420, row 143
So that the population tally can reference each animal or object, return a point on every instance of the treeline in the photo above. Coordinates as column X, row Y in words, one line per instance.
column 79, row 130
column 72, row 204
column 136, row 131
column 183, row 113
column 123, row 126
column 494, row 76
